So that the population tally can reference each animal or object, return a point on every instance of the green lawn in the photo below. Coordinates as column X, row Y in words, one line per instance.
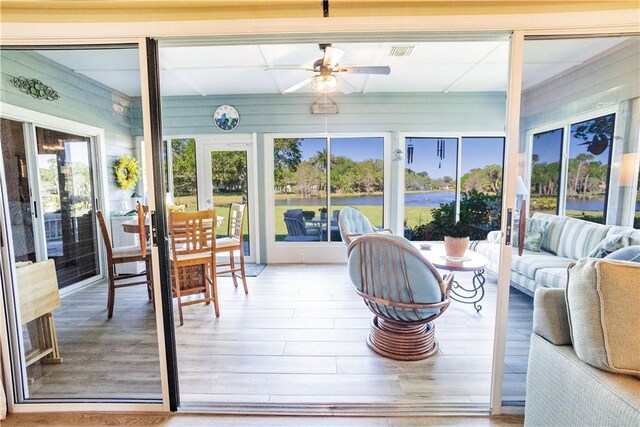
column 413, row 215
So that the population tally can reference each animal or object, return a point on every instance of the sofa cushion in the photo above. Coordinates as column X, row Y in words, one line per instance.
column 602, row 299
column 609, row 245
column 632, row 233
column 579, row 237
column 530, row 262
column 535, row 230
column 551, row 238
column 552, row 277
column 630, row 253
column 550, row 316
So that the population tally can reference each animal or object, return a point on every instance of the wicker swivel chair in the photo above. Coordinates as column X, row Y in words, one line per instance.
column 403, row 290
column 353, row 224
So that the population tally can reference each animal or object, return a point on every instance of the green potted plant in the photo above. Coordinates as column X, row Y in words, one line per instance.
column 308, row 215
column 456, row 239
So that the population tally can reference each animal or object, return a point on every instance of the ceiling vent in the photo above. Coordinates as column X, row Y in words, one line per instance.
column 401, row 50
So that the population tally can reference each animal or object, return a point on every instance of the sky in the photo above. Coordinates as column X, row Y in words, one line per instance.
column 476, row 153
column 357, row 149
column 547, row 146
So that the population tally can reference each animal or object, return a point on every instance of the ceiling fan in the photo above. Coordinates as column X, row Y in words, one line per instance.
column 326, row 68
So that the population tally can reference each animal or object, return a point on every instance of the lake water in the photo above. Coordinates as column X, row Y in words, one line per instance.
column 427, row 199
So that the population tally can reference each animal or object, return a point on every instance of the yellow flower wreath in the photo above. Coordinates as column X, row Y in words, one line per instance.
column 127, row 172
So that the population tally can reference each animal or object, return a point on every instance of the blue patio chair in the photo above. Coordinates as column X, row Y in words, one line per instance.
column 297, row 229
column 353, row 224
column 404, row 291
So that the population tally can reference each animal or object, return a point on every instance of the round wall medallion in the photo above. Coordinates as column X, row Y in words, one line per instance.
column 226, row 118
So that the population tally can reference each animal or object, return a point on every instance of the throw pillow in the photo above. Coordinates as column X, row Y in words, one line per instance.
column 533, row 234
column 629, row 253
column 602, row 298
column 609, row 245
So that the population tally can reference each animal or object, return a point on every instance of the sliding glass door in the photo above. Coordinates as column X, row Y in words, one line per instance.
column 58, row 158
column 316, row 177
column 65, row 165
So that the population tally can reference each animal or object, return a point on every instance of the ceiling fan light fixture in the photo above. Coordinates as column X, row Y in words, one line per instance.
column 326, row 83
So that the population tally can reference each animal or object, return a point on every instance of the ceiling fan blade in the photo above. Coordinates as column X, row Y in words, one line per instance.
column 346, row 87
column 332, row 56
column 298, row 85
column 288, row 68
column 365, row 70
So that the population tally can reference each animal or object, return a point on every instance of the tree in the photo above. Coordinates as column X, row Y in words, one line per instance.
column 598, row 126
column 487, row 179
column 286, row 158
column 229, row 171
column 184, row 166
column 579, row 160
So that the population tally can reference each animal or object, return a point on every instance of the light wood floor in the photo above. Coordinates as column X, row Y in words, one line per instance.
column 298, row 337
column 184, row 420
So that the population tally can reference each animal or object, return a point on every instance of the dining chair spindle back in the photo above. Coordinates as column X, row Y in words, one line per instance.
column 193, row 262
column 232, row 243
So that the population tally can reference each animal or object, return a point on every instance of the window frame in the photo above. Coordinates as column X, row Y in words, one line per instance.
column 322, row 251
column 565, row 125
column 403, row 136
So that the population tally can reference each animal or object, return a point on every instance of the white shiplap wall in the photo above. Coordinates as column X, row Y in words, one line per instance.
column 611, row 81
column 82, row 100
column 380, row 112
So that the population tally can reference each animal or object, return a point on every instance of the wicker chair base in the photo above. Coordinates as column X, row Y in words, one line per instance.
column 402, row 341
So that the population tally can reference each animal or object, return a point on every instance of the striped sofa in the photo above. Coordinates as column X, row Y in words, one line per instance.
column 565, row 240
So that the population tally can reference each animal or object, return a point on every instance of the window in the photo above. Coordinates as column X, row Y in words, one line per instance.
column 545, row 171
column 433, row 167
column 588, row 168
column 585, row 172
column 429, row 177
column 315, row 177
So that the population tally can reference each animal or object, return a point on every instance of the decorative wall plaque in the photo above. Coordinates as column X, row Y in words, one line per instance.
column 35, row 88
column 324, row 108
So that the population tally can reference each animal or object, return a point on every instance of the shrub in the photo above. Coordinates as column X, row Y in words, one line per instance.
column 475, row 208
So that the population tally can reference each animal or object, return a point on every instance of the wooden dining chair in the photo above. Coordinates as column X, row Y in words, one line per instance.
column 193, row 258
column 142, row 236
column 122, row 255
column 232, row 243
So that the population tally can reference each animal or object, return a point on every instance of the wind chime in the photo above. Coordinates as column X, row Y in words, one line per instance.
column 440, row 151
column 410, row 154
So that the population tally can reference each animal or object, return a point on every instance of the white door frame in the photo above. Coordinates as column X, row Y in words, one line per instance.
column 34, row 119
column 30, row 120
column 231, row 142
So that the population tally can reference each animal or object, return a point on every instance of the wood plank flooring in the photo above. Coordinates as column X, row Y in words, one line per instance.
column 298, row 337
column 191, row 420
